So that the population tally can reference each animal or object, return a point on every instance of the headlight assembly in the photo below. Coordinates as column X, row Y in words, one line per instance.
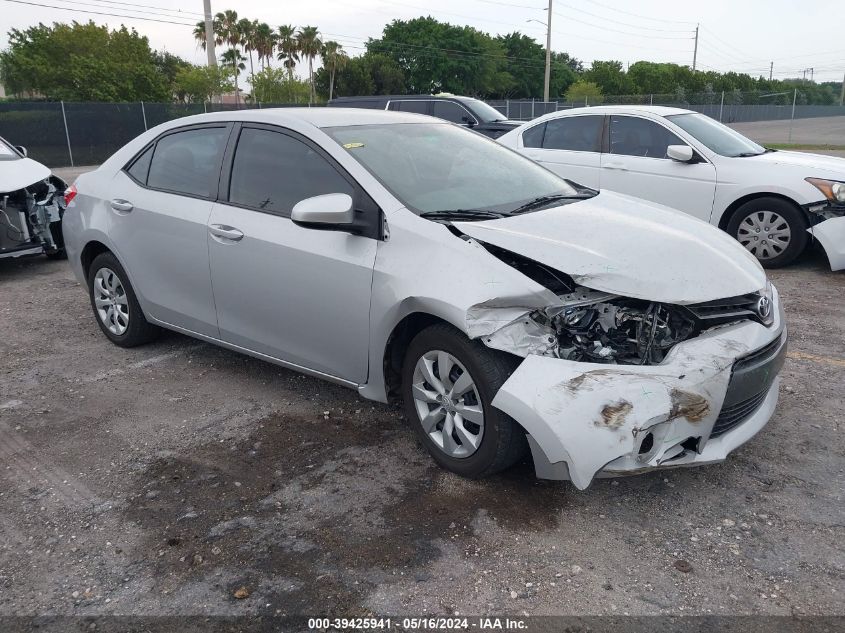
column 833, row 190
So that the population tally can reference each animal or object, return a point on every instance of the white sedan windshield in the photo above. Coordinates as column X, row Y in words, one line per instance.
column 719, row 138
column 437, row 166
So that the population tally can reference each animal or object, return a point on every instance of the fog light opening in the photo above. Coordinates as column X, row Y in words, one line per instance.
column 647, row 444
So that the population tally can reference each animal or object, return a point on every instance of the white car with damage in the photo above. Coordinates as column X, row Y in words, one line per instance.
column 31, row 206
column 773, row 202
column 399, row 254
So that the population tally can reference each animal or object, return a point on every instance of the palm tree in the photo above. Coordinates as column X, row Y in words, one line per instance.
column 230, row 33
column 265, row 43
column 287, row 47
column 335, row 58
column 199, row 33
column 247, row 30
column 308, row 43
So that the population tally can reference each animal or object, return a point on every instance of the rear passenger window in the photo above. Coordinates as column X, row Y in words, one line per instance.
column 188, row 162
column 273, row 171
column 533, row 136
column 451, row 112
column 574, row 133
column 141, row 167
column 633, row 136
column 420, row 107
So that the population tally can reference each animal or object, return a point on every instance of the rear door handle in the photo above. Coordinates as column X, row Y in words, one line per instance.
column 224, row 232
column 618, row 166
column 122, row 206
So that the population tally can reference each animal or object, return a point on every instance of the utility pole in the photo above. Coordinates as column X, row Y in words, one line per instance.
column 548, row 54
column 812, row 72
column 695, row 51
column 209, row 38
column 771, row 68
column 842, row 96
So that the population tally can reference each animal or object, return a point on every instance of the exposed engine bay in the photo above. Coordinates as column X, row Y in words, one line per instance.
column 598, row 327
column 30, row 219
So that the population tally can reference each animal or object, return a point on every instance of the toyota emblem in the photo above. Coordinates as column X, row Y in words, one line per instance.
column 764, row 307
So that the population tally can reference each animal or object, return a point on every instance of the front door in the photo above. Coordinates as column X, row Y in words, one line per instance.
column 637, row 164
column 297, row 294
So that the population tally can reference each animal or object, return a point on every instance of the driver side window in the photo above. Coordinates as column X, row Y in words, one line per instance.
column 633, row 136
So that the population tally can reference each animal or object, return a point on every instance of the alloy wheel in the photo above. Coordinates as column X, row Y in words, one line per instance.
column 111, row 301
column 447, row 403
column 765, row 234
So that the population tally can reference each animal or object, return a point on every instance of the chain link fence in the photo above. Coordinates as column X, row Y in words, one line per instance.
column 71, row 134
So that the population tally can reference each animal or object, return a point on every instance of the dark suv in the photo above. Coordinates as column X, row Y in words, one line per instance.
column 466, row 111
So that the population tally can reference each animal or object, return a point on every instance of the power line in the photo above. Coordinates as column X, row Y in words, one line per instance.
column 607, row 28
column 150, row 6
column 99, row 6
column 637, row 15
column 636, row 26
column 116, row 15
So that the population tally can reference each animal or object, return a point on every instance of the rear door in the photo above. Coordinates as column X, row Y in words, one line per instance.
column 297, row 294
column 159, row 215
column 570, row 146
column 637, row 164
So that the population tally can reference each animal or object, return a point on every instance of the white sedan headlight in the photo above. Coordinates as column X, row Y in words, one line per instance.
column 833, row 190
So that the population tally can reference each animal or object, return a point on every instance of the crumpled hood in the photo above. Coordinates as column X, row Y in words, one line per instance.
column 814, row 163
column 17, row 174
column 626, row 246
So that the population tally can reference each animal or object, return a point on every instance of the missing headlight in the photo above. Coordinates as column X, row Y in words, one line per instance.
column 615, row 329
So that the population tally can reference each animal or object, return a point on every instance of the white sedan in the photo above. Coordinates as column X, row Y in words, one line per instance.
column 771, row 201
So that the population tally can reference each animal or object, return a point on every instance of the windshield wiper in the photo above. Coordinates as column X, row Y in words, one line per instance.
column 544, row 200
column 461, row 214
column 747, row 154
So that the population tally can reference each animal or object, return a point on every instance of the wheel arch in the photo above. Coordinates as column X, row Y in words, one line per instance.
column 736, row 204
column 90, row 251
column 397, row 345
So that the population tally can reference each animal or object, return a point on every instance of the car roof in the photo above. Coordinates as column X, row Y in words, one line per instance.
column 318, row 117
column 627, row 109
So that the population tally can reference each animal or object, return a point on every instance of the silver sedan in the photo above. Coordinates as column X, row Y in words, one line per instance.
column 396, row 254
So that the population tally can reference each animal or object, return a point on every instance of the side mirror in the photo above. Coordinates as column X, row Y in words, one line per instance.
column 331, row 212
column 470, row 122
column 680, row 153
column 22, row 150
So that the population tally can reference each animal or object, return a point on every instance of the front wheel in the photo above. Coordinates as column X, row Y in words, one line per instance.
column 448, row 383
column 771, row 229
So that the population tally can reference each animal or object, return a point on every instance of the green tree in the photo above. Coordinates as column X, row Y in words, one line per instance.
column 437, row 56
column 287, row 47
column 368, row 74
column 334, row 58
column 309, row 44
column 85, row 62
column 275, row 85
column 610, row 77
column 247, row 29
column 230, row 33
column 197, row 84
column 265, row 43
column 584, row 91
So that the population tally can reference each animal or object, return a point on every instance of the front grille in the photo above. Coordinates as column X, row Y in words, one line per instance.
column 751, row 377
column 710, row 313
column 736, row 414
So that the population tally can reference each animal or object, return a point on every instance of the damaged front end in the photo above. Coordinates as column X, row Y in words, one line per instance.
column 31, row 217
column 614, row 385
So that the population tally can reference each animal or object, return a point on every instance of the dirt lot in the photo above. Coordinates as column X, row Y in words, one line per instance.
column 814, row 131
column 162, row 480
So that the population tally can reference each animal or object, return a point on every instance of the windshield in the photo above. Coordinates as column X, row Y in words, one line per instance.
column 439, row 167
column 485, row 112
column 719, row 138
column 7, row 152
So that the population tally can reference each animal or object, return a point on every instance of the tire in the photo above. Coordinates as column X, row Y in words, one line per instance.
column 56, row 254
column 502, row 441
column 58, row 238
column 750, row 221
column 106, row 280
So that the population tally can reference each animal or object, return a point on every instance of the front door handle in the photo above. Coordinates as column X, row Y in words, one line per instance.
column 122, row 206
column 226, row 232
column 618, row 166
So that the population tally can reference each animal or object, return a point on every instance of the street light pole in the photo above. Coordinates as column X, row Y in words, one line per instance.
column 209, row 33
column 548, row 55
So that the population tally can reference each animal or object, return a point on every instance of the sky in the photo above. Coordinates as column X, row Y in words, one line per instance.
column 744, row 35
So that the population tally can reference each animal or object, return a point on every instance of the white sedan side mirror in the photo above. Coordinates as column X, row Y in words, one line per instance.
column 680, row 153
column 332, row 210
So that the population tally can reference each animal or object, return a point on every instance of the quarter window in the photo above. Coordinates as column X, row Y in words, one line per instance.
column 141, row 167
column 574, row 133
column 633, row 136
column 188, row 162
column 273, row 171
column 533, row 137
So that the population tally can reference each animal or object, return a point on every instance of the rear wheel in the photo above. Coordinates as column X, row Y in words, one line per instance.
column 115, row 306
column 448, row 383
column 771, row 229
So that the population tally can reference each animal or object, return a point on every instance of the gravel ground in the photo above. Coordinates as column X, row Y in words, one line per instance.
column 180, row 478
